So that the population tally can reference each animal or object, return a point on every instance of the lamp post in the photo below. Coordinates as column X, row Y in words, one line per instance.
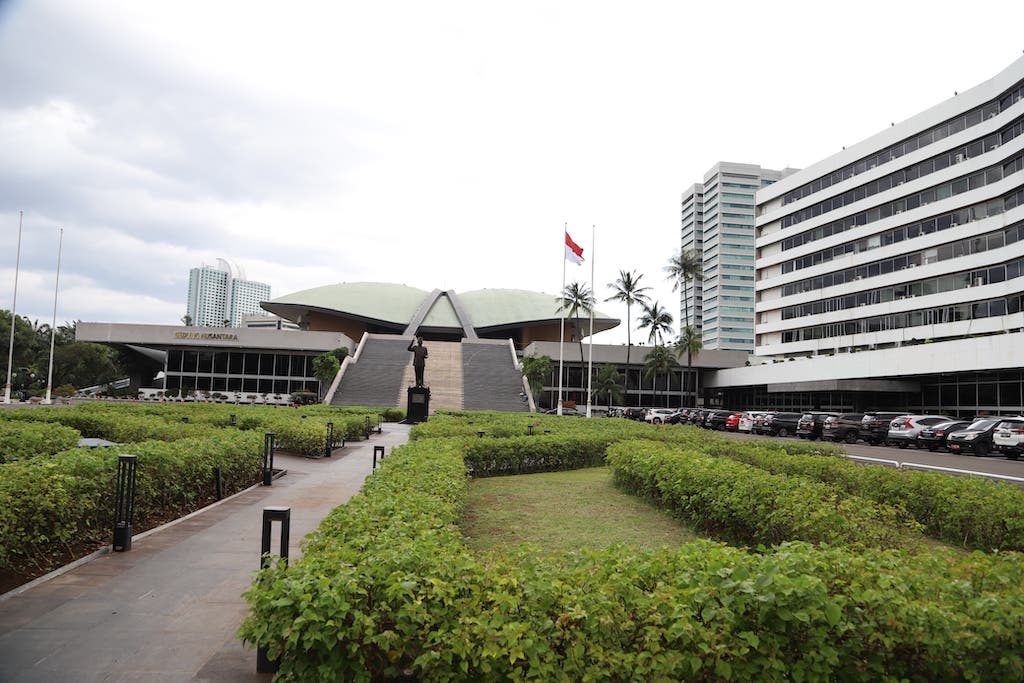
column 14, row 304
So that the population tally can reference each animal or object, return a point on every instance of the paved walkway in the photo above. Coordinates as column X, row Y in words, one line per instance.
column 168, row 610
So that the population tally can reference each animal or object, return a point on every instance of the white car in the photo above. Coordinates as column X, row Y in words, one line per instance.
column 657, row 416
column 746, row 423
column 1009, row 437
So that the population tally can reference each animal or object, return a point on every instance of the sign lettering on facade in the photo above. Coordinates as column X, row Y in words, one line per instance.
column 219, row 336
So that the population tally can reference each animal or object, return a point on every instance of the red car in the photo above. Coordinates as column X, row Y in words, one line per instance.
column 732, row 422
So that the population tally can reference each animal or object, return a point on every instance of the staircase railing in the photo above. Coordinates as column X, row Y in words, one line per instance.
column 329, row 396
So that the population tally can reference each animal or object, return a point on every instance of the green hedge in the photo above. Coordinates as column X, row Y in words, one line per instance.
column 741, row 503
column 386, row 587
column 26, row 440
column 528, row 454
column 60, row 504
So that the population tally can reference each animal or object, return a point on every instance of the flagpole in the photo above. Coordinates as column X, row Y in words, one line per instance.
column 14, row 305
column 590, row 360
column 53, row 327
column 561, row 326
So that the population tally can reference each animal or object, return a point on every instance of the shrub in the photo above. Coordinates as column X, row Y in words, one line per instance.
column 26, row 440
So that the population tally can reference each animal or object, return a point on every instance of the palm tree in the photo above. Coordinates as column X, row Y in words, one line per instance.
column 658, row 320
column 576, row 299
column 689, row 342
column 608, row 383
column 682, row 268
column 536, row 369
column 628, row 290
column 660, row 360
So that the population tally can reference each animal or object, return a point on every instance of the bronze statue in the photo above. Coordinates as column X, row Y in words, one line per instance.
column 419, row 359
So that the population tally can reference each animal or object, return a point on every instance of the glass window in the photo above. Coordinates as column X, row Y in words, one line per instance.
column 252, row 365
column 235, row 364
column 220, row 364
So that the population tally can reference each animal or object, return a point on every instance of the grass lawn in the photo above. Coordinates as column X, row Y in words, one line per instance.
column 565, row 511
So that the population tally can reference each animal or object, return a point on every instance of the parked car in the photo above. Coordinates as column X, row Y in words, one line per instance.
column 761, row 422
column 811, row 425
column 1009, row 437
column 678, row 417
column 842, row 427
column 782, row 424
column 658, row 416
column 716, row 419
column 976, row 439
column 874, row 426
column 903, row 430
column 633, row 413
column 732, row 422
column 934, row 437
column 572, row 412
column 746, row 423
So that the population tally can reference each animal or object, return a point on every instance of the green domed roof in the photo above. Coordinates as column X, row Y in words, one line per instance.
column 372, row 300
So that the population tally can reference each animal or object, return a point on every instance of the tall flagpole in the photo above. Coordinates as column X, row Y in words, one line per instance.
column 561, row 326
column 14, row 305
column 590, row 360
column 53, row 327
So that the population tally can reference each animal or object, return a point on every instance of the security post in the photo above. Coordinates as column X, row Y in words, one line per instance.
column 268, row 458
column 271, row 514
column 124, row 502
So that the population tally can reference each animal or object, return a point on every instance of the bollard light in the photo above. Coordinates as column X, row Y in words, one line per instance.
column 124, row 502
column 268, row 458
column 378, row 450
column 271, row 514
column 480, row 434
column 366, row 428
column 232, row 421
column 330, row 440
column 185, row 420
column 529, row 430
column 218, row 482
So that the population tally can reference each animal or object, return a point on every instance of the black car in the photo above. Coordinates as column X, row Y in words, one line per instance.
column 761, row 423
column 716, row 419
column 874, row 426
column 934, row 437
column 633, row 413
column 678, row 417
column 975, row 439
column 811, row 425
column 843, row 427
column 782, row 424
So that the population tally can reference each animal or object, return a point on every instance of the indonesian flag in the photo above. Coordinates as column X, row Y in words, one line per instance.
column 573, row 251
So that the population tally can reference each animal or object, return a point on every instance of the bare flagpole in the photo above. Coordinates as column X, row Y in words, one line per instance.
column 590, row 360
column 10, row 350
column 53, row 327
column 561, row 326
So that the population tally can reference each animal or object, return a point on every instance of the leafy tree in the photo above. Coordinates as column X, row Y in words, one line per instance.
column 325, row 367
column 608, row 383
column 658, row 320
column 628, row 291
column 689, row 342
column 660, row 360
column 576, row 299
column 536, row 369
column 683, row 268
column 186, row 320
column 84, row 364
column 340, row 353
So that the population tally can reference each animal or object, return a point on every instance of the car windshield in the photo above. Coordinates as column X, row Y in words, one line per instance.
column 1011, row 424
column 981, row 425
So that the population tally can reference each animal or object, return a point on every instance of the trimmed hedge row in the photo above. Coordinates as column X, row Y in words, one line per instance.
column 386, row 587
column 973, row 512
column 529, row 454
column 55, row 505
column 27, row 440
column 741, row 503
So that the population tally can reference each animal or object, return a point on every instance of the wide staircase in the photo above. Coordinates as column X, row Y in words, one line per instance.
column 477, row 374
column 490, row 378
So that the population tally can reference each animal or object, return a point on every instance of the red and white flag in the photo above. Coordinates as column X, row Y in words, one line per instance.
column 573, row 251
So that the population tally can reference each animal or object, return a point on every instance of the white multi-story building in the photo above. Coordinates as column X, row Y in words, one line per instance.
column 221, row 296
column 893, row 271
column 718, row 223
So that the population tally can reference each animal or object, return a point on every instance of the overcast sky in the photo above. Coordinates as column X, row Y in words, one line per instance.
column 436, row 144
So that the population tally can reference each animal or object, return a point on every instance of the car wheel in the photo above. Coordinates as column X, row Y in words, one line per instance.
column 931, row 449
column 783, row 431
column 981, row 449
column 1012, row 455
column 851, row 437
column 902, row 444
column 657, row 420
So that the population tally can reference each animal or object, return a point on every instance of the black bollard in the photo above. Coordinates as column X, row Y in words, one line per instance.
column 380, row 424
column 366, row 429
column 330, row 440
column 124, row 502
column 218, row 482
column 232, row 421
column 185, row 420
column 529, row 430
column 268, row 458
column 302, row 416
column 480, row 434
column 376, row 450
column 271, row 514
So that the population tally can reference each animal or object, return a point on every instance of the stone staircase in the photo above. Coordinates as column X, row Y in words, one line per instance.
column 443, row 374
column 376, row 378
column 490, row 378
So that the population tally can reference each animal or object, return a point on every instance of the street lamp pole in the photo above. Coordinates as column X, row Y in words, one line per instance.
column 10, row 350
column 53, row 327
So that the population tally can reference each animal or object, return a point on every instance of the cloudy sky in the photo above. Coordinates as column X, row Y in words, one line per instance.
column 439, row 144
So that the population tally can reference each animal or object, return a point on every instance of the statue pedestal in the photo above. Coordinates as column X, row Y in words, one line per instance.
column 418, row 404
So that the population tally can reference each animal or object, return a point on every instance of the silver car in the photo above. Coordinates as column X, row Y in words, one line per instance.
column 903, row 430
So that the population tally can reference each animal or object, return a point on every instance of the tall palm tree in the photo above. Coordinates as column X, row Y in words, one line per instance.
column 689, row 342
column 660, row 360
column 576, row 299
column 658, row 320
column 608, row 383
column 684, row 267
column 628, row 291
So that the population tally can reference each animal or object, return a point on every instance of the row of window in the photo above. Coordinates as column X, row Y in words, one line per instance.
column 245, row 384
column 992, row 207
column 933, row 134
column 895, row 321
column 918, row 170
column 971, row 245
column 240, row 363
column 966, row 183
column 947, row 283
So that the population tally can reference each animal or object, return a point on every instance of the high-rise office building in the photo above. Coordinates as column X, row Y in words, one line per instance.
column 718, row 223
column 221, row 296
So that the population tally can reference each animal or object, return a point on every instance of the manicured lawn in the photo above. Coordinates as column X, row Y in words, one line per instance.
column 564, row 511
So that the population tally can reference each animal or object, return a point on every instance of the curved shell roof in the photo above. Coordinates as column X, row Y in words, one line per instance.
column 399, row 304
